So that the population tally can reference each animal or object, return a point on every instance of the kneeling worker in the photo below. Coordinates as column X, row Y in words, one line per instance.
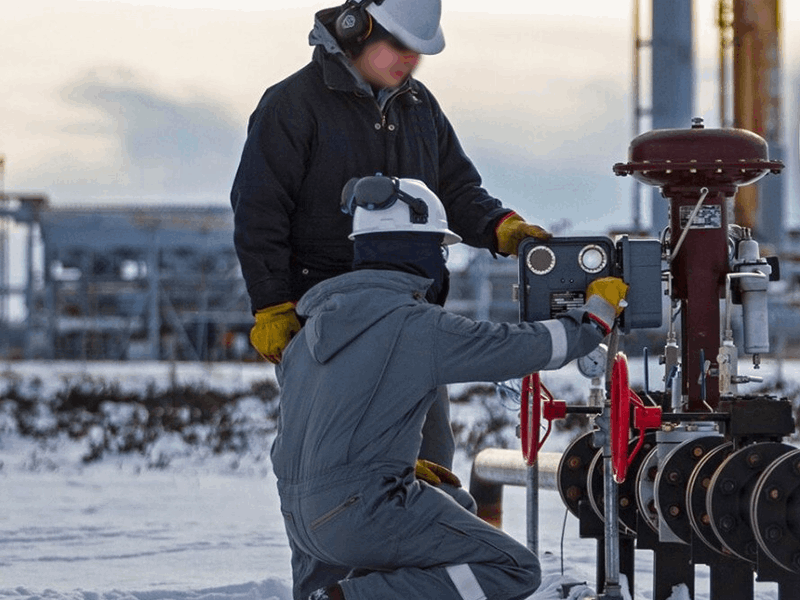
column 360, row 378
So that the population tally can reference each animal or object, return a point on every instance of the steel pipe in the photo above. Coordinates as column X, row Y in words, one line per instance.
column 493, row 468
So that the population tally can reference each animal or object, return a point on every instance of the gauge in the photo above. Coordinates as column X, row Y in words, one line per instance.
column 592, row 258
column 594, row 364
column 541, row 260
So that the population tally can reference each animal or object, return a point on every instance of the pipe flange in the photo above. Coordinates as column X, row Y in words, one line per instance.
column 671, row 482
column 775, row 511
column 730, row 492
column 626, row 491
column 645, row 485
column 573, row 471
column 696, row 491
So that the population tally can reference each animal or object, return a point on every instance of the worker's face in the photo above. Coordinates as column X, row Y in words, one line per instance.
column 382, row 64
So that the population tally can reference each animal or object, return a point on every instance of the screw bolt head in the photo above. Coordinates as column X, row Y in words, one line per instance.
column 574, row 492
column 753, row 459
column 727, row 523
column 773, row 533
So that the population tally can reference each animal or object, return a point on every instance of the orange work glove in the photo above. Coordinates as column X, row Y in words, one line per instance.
column 435, row 474
column 513, row 229
column 605, row 300
column 275, row 326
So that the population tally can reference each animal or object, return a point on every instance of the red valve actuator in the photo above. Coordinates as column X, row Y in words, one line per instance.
column 644, row 417
column 532, row 412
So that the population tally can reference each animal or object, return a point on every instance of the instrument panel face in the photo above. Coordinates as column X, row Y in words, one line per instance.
column 554, row 274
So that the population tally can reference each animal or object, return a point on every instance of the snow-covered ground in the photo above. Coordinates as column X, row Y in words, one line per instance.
column 178, row 521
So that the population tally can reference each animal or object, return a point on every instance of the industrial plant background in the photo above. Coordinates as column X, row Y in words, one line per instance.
column 123, row 122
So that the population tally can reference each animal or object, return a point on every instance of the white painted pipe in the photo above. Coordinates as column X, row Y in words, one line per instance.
column 495, row 467
column 507, row 467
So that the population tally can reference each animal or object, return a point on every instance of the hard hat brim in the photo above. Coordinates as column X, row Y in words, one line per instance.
column 434, row 45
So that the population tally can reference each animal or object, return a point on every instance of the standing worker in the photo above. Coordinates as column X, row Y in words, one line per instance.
column 356, row 384
column 353, row 111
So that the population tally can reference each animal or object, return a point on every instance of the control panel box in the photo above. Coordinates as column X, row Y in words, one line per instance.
column 554, row 275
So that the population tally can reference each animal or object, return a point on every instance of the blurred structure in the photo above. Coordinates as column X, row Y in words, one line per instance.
column 755, row 34
column 164, row 283
column 19, row 217
column 153, row 282
column 129, row 283
column 483, row 288
column 749, row 94
column 672, row 94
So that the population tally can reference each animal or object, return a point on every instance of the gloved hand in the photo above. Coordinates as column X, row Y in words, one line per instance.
column 435, row 474
column 513, row 229
column 605, row 300
column 275, row 326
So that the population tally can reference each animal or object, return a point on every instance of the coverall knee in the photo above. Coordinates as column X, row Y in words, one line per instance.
column 414, row 541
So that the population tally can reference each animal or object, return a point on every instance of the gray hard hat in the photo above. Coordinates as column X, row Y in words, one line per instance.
column 415, row 23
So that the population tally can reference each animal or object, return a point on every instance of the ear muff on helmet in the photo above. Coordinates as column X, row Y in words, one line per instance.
column 354, row 24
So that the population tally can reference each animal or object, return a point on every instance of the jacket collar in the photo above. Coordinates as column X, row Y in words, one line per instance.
column 338, row 72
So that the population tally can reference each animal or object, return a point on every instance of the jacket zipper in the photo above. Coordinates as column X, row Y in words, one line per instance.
column 316, row 524
column 384, row 113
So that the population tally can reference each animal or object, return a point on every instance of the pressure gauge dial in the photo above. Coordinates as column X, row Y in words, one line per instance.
column 594, row 364
column 592, row 258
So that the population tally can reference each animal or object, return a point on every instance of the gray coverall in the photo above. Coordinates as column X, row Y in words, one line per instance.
column 355, row 388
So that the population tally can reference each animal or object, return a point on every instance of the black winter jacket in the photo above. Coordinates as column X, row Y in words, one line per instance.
column 308, row 136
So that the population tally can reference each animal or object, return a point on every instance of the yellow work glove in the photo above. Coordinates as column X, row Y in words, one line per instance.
column 275, row 326
column 435, row 474
column 605, row 300
column 513, row 229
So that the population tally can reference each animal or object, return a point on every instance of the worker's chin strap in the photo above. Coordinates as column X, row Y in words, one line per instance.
column 415, row 253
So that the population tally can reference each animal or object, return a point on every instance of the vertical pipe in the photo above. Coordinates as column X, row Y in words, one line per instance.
column 757, row 107
column 725, row 24
column 673, row 79
column 489, row 498
column 30, row 276
column 611, row 524
column 50, row 295
column 5, row 280
column 532, row 487
column 636, row 199
column 4, row 262
column 154, row 319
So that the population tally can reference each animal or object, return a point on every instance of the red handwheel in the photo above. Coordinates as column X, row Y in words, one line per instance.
column 531, row 414
column 645, row 417
column 530, row 401
column 620, row 417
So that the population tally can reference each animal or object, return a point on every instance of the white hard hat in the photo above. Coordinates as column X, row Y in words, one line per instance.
column 415, row 23
column 373, row 202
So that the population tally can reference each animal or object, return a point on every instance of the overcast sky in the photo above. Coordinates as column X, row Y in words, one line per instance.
column 584, row 8
column 147, row 100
